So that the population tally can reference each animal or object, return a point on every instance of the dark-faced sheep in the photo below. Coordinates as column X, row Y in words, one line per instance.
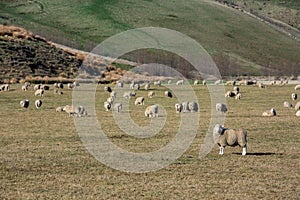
column 24, row 103
column 269, row 113
column 230, row 137
column 38, row 103
column 168, row 94
column 151, row 111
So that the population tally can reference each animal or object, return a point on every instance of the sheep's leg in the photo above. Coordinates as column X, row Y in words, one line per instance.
column 221, row 151
column 244, row 151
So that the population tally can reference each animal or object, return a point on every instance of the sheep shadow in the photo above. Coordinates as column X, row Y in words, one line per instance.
column 260, row 154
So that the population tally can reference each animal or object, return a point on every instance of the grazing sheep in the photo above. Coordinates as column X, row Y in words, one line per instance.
column 229, row 94
column 261, row 85
column 297, row 106
column 218, row 82
column 297, row 87
column 294, row 96
column 107, row 89
column 196, row 82
column 113, row 94
column 193, row 106
column 238, row 96
column 131, row 86
column 269, row 113
column 118, row 107
column 25, row 87
column 151, row 111
column 204, row 82
column 110, row 100
column 147, row 86
column 36, row 87
column 151, row 94
column 78, row 111
column 128, row 95
column 221, row 108
column 58, row 85
column 107, row 106
column 70, row 85
column 76, row 84
column 139, row 101
column 24, row 103
column 38, row 103
column 230, row 83
column 230, row 137
column 169, row 82
column 168, row 94
column 185, row 107
column 180, row 82
column 178, row 107
column 158, row 83
column 59, row 109
column 120, row 84
column 136, row 86
column 298, row 113
column 39, row 92
column 287, row 104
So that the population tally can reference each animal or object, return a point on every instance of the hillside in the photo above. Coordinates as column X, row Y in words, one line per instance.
column 239, row 44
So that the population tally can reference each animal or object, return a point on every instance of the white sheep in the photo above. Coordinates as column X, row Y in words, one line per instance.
column 180, row 82
column 107, row 106
column 78, row 111
column 147, row 86
column 196, row 82
column 204, row 82
column 110, row 100
column 261, row 85
column 37, row 86
column 151, row 111
column 238, row 96
column 120, row 84
column 168, row 94
column 39, row 92
column 25, row 87
column 128, row 95
column 24, row 103
column 151, row 94
column 185, row 106
column 59, row 109
column 269, row 113
column 158, row 83
column 76, row 84
column 297, row 87
column 118, row 107
column 139, row 101
column 236, row 89
column 218, row 82
column 58, row 85
column 230, row 137
column 169, row 82
column 297, row 106
column 178, row 107
column 287, row 104
column 298, row 113
column 221, row 108
column 131, row 86
column 38, row 103
column 71, row 86
column 294, row 96
column 193, row 106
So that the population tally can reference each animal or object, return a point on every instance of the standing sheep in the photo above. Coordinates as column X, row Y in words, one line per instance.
column 294, row 96
column 39, row 92
column 128, row 95
column 120, row 84
column 107, row 106
column 113, row 94
column 230, row 137
column 110, row 100
column 297, row 87
column 151, row 111
column 238, row 96
column 204, row 82
column 25, row 87
column 168, row 94
column 180, row 82
column 118, row 107
column 287, row 104
column 196, row 82
column 269, row 113
column 107, row 89
column 78, row 111
column 229, row 94
column 24, row 103
column 147, row 86
column 38, row 103
column 185, row 106
column 298, row 113
column 221, row 108
column 193, row 106
column 59, row 109
column 36, row 87
column 158, row 83
column 297, row 106
column 178, row 107
column 139, row 101
column 151, row 94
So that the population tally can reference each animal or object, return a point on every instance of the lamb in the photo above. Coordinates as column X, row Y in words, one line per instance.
column 230, row 137
column 151, row 111
column 185, row 107
column 147, row 86
column 297, row 106
column 297, row 87
column 59, row 109
column 287, row 104
column 128, row 95
column 36, row 87
column 118, row 107
column 168, row 94
column 294, row 96
column 107, row 106
column 151, row 94
column 196, row 82
column 24, row 103
column 39, row 92
column 269, row 113
column 139, row 101
column 180, row 82
column 298, row 113
column 38, row 103
column 178, row 107
column 221, row 108
column 238, row 96
column 25, row 87
column 107, row 89
column 193, row 106
column 78, row 111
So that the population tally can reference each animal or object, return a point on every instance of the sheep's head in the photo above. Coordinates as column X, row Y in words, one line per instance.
column 218, row 129
column 273, row 111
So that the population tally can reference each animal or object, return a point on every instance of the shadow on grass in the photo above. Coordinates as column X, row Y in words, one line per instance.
column 260, row 154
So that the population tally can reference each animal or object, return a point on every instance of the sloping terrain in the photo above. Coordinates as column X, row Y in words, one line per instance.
column 239, row 44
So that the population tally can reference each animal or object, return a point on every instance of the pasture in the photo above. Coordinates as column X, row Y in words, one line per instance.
column 42, row 156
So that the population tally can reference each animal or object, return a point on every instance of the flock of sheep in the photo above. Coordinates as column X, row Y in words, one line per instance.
column 226, row 137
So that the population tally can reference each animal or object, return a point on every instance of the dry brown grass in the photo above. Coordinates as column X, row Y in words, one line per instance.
column 42, row 157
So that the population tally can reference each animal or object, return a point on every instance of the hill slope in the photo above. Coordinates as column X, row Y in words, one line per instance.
column 237, row 42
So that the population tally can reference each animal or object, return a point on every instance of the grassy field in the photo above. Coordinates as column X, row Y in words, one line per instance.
column 248, row 43
column 42, row 156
